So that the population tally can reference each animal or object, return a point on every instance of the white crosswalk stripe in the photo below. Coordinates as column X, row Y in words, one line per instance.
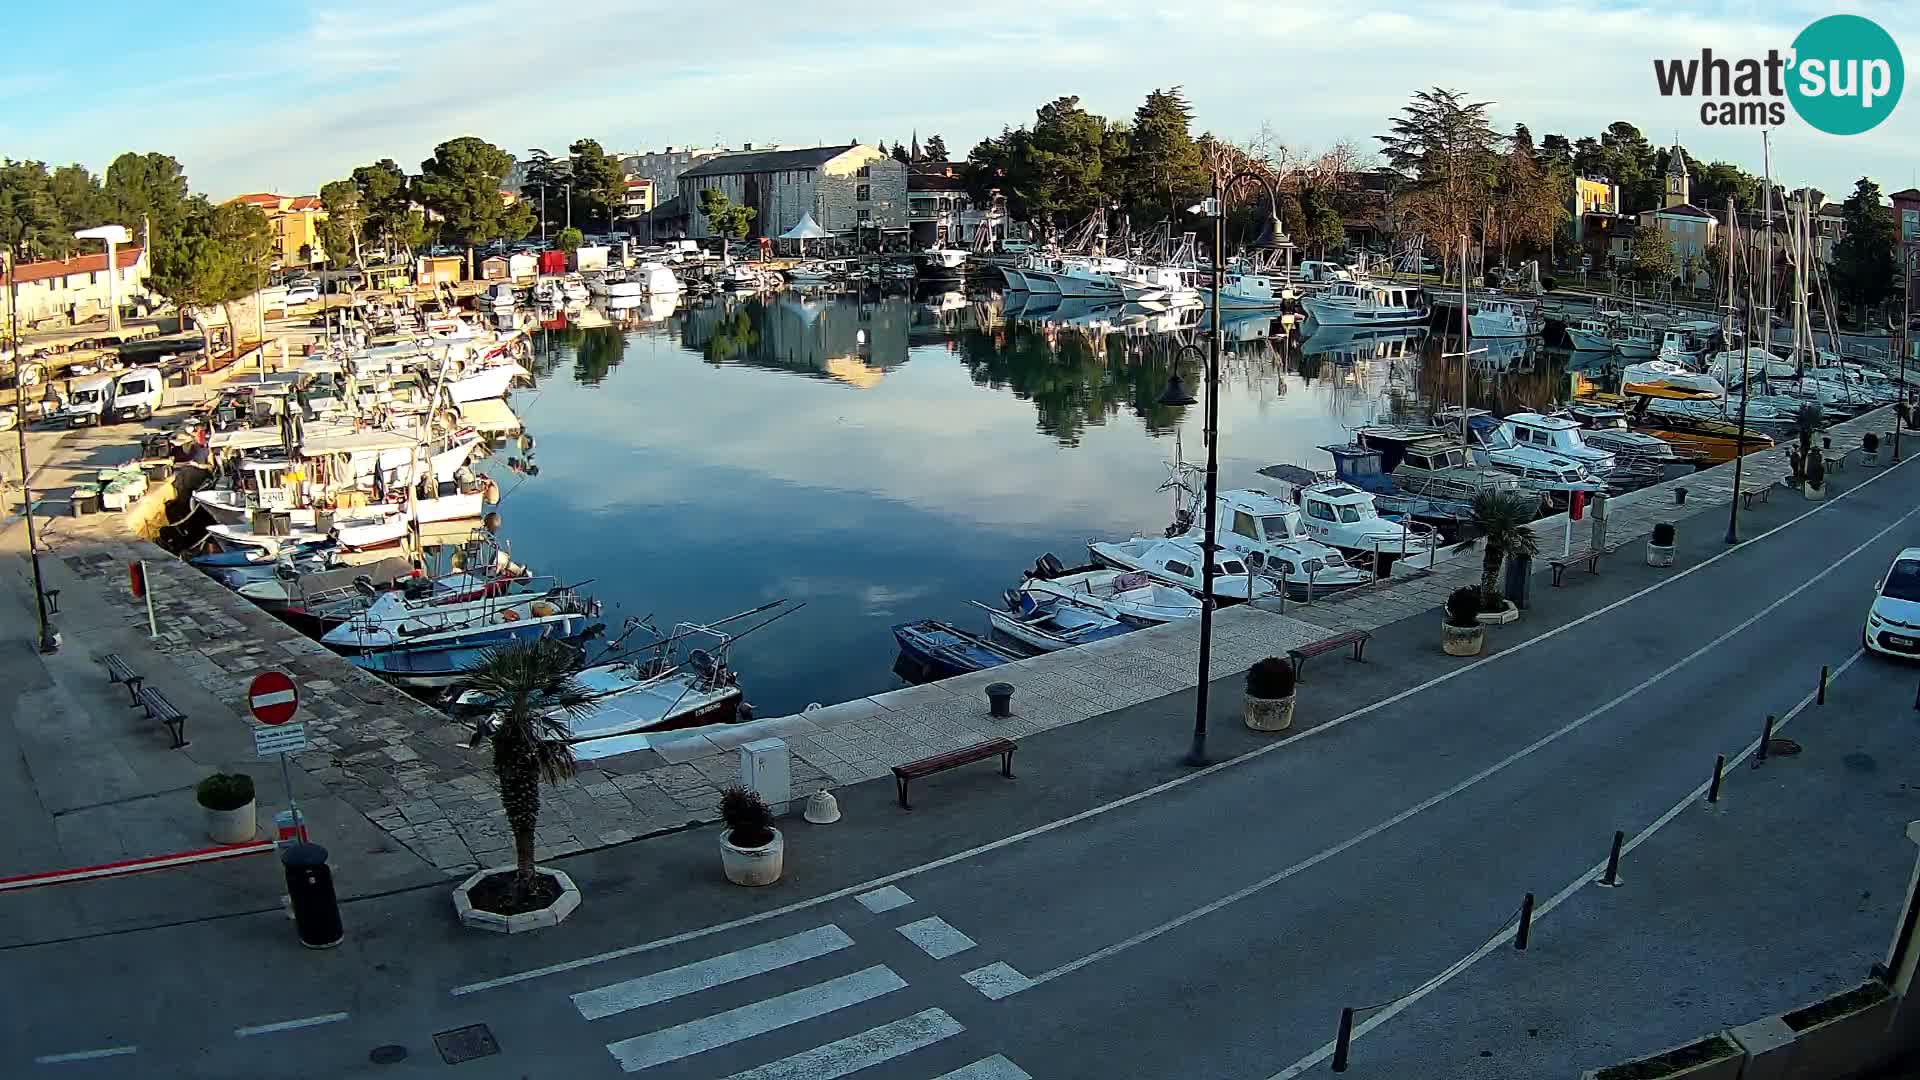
column 758, row 1018
column 705, row 974
column 843, row 1057
column 996, row 1067
column 936, row 937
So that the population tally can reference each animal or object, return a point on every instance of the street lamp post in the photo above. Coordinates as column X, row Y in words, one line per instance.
column 1746, row 349
column 1176, row 395
column 1907, row 250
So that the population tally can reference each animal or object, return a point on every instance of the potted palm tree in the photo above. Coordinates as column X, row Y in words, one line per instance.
column 228, row 800
column 533, row 685
column 1660, row 545
column 1461, row 632
column 1816, row 479
column 1502, row 518
column 1269, row 701
column 752, row 851
column 1802, row 459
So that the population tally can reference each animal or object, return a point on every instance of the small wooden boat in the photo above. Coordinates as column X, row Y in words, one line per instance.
column 1051, row 623
column 942, row 649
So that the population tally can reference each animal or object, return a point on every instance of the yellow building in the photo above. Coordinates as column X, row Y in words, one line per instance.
column 294, row 223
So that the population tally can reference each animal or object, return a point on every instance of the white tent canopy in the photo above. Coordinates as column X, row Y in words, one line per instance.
column 805, row 229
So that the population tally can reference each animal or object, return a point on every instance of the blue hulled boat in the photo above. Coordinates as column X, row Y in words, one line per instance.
column 941, row 649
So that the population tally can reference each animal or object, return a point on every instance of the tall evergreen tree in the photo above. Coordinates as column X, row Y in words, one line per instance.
column 150, row 191
column 1445, row 147
column 936, row 148
column 461, row 182
column 387, row 197
column 1865, row 265
column 599, row 184
column 1163, row 170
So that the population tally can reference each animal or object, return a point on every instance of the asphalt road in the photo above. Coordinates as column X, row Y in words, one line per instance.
column 1215, row 925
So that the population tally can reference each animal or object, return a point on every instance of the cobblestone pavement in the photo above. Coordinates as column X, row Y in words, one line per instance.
column 408, row 768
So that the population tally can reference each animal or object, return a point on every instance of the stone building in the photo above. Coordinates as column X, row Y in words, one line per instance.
column 850, row 190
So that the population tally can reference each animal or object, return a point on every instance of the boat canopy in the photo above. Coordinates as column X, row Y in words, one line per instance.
column 244, row 439
column 355, row 442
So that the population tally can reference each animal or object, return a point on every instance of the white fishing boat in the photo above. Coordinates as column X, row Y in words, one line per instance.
column 1345, row 517
column 1503, row 319
column 942, row 263
column 1349, row 303
column 1250, row 290
column 1269, row 534
column 1132, row 597
column 1052, row 623
column 1665, row 379
column 1177, row 562
column 498, row 297
column 487, row 382
column 1559, row 436
column 1590, row 335
column 810, row 273
column 654, row 279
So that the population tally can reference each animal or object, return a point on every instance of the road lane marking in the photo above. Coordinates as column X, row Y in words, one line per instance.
column 1592, row 874
column 936, row 937
column 996, row 981
column 1434, row 800
column 883, row 900
column 747, row 1021
column 289, row 1025
column 843, row 1057
column 996, row 1067
column 84, row 1055
column 875, row 884
column 706, row 974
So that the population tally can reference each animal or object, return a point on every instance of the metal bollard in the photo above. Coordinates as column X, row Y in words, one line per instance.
column 1612, row 876
column 1719, row 764
column 1525, row 931
column 1343, row 1041
column 1766, row 736
column 1821, row 697
column 316, row 911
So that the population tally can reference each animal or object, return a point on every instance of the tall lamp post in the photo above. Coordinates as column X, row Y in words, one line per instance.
column 49, row 640
column 1907, row 250
column 1746, row 349
column 1176, row 394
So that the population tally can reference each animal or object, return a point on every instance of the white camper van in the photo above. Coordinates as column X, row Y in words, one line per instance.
column 127, row 395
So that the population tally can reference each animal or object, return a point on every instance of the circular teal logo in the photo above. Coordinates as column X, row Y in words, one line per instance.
column 1846, row 74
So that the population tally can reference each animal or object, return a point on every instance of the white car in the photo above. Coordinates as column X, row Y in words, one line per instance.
column 1893, row 621
column 303, row 294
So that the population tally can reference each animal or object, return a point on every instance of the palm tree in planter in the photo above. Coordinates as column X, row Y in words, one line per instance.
column 1806, row 425
column 1502, row 518
column 536, row 694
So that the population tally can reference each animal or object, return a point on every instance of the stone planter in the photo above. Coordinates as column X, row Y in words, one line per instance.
column 1844, row 1045
column 1462, row 640
column 1870, row 460
column 231, row 826
column 1813, row 494
column 753, row 866
column 1268, row 714
column 551, row 915
column 1658, row 555
column 1499, row 618
column 1724, row 1065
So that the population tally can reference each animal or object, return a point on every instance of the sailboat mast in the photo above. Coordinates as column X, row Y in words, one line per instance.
column 1466, row 342
column 1766, row 261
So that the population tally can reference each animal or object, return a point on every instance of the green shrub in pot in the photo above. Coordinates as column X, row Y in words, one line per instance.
column 225, row 791
column 1270, row 679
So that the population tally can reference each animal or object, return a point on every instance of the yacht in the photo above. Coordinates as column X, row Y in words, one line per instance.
column 1366, row 304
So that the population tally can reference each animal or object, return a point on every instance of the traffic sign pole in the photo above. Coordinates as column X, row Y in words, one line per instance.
column 273, row 697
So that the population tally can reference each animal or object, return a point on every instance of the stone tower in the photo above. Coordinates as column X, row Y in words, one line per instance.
column 1679, row 184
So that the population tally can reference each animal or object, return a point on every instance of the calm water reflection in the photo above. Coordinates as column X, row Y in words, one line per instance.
column 890, row 459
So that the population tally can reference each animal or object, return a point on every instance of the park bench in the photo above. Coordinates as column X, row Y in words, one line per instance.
column 119, row 672
column 1834, row 460
column 159, row 708
column 1589, row 555
column 953, row 759
column 1356, row 638
column 1755, row 490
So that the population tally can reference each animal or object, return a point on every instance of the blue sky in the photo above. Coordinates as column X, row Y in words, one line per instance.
column 286, row 96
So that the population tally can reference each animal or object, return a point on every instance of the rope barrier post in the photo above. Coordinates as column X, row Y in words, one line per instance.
column 1612, row 876
column 1343, row 1041
column 1766, row 736
column 1719, row 764
column 1525, row 931
column 1821, row 697
column 1916, row 699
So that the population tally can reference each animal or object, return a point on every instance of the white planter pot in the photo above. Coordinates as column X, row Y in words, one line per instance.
column 1462, row 640
column 1813, row 494
column 753, row 866
column 1871, row 461
column 1268, row 714
column 231, row 826
column 1658, row 555
column 1499, row 618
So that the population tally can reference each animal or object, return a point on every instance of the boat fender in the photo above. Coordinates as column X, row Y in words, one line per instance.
column 509, row 615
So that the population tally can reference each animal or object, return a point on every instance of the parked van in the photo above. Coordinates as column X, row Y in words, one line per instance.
column 126, row 395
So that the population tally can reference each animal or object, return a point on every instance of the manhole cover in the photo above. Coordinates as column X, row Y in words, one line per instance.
column 387, row 1055
column 1782, row 748
column 465, row 1044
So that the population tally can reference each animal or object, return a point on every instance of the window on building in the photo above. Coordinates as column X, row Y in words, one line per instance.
column 864, row 171
column 863, row 193
column 864, row 216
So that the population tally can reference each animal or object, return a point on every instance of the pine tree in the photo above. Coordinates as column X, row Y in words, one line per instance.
column 1864, row 264
column 1163, row 170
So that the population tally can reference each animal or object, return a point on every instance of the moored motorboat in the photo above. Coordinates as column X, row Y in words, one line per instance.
column 1046, row 625
column 941, row 649
column 1177, row 562
column 1125, row 595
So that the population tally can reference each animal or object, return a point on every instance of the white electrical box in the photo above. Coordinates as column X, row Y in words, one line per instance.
column 764, row 768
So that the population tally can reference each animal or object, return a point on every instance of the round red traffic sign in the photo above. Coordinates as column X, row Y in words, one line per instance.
column 272, row 697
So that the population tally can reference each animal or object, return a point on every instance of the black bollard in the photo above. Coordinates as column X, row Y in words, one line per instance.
column 1342, row 1041
column 1612, row 876
column 316, row 912
column 1766, row 736
column 1719, row 763
column 1821, row 698
column 1526, row 923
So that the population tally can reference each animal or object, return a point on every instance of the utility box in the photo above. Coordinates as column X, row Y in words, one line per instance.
column 1517, row 586
column 1599, row 511
column 764, row 768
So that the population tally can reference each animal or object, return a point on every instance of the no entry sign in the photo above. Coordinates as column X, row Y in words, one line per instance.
column 272, row 697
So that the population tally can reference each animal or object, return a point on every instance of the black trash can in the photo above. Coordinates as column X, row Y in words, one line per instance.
column 1517, row 587
column 310, row 887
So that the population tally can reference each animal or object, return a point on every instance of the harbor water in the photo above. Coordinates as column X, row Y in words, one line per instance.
column 890, row 459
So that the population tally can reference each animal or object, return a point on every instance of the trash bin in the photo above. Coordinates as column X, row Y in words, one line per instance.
column 1518, row 584
column 316, row 913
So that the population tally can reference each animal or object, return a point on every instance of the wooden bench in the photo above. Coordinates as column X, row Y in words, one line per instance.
column 1834, row 460
column 1755, row 490
column 953, row 759
column 119, row 672
column 159, row 708
column 1356, row 638
column 1589, row 555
